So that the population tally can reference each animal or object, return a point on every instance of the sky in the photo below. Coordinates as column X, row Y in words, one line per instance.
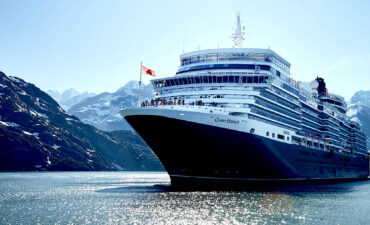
column 97, row 46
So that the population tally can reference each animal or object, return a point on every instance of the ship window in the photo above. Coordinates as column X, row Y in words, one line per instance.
column 287, row 138
column 250, row 79
column 231, row 79
column 237, row 79
column 201, row 79
column 167, row 84
column 214, row 79
column 205, row 79
column 185, row 80
column 181, row 81
column 252, row 130
column 273, row 135
column 261, row 79
column 280, row 136
column 197, row 80
column 267, row 133
column 219, row 79
column 244, row 79
column 193, row 80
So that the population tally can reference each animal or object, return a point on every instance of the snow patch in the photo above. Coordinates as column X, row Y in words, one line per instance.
column 48, row 161
column 70, row 119
column 15, row 79
column 26, row 132
column 355, row 119
column 118, row 116
column 9, row 124
column 352, row 111
column 118, row 166
column 22, row 92
column 89, row 152
column 36, row 135
column 56, row 147
column 34, row 113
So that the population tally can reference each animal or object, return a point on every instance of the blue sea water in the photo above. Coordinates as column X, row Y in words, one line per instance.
column 145, row 198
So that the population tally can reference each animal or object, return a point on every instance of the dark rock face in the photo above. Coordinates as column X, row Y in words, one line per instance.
column 37, row 134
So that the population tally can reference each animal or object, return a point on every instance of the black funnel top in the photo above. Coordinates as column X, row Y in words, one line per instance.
column 321, row 89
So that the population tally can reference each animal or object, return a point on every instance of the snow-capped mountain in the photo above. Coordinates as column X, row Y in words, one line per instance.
column 362, row 97
column 69, row 97
column 359, row 110
column 102, row 111
column 54, row 94
column 37, row 134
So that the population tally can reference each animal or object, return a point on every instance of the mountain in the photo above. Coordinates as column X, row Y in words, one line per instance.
column 69, row 97
column 54, row 94
column 359, row 110
column 37, row 134
column 102, row 111
column 361, row 96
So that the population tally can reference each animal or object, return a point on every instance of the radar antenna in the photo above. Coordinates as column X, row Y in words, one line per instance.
column 238, row 33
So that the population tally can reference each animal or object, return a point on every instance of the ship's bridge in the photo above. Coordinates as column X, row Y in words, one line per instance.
column 335, row 100
column 232, row 58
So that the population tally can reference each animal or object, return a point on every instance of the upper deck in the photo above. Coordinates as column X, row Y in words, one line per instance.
column 233, row 55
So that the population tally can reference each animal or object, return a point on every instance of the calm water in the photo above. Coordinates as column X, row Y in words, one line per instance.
column 145, row 198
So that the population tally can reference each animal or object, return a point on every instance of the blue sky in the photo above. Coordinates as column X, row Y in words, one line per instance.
column 97, row 46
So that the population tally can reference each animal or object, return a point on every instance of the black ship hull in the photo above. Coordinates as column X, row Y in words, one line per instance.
column 194, row 152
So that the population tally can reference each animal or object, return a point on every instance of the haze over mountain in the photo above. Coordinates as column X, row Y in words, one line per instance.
column 69, row 97
column 37, row 134
column 102, row 110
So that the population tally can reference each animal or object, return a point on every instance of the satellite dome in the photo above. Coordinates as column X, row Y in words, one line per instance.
column 314, row 84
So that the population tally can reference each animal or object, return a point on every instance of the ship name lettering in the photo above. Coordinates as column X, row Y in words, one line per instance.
column 219, row 120
column 233, row 121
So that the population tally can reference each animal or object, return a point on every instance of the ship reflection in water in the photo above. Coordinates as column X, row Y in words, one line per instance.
column 146, row 198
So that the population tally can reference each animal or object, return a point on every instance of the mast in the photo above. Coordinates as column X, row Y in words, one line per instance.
column 238, row 33
column 141, row 71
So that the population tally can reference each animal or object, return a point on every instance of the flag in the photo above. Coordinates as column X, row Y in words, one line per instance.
column 145, row 70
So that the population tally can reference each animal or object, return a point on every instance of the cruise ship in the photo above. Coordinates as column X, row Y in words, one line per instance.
column 235, row 114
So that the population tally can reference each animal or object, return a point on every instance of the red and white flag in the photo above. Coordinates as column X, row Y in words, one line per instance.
column 145, row 70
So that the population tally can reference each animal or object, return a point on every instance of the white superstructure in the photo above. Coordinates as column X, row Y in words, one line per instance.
column 235, row 113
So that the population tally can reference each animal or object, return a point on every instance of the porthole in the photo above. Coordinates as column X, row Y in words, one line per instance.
column 252, row 130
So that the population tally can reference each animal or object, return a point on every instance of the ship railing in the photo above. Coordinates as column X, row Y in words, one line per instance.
column 179, row 102
column 294, row 83
column 163, row 102
column 323, row 145
column 333, row 97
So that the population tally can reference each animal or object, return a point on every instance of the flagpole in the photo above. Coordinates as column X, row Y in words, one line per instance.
column 141, row 72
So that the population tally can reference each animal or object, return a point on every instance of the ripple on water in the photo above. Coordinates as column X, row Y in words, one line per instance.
column 136, row 198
